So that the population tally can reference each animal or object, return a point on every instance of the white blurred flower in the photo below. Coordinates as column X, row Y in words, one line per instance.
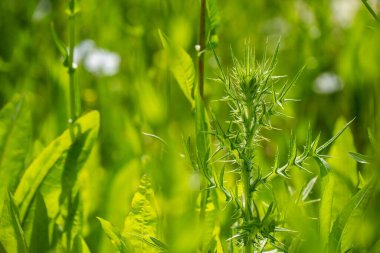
column 102, row 62
column 43, row 9
column 327, row 83
column 97, row 61
column 344, row 11
column 83, row 49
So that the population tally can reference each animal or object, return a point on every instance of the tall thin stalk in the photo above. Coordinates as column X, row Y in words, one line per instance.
column 247, row 197
column 202, row 31
column 200, row 111
column 74, row 96
column 202, row 46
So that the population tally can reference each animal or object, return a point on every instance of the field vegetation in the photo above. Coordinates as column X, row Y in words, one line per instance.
column 189, row 126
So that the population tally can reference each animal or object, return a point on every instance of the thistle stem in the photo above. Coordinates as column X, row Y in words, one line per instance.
column 247, row 196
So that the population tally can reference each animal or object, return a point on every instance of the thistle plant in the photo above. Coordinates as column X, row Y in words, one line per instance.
column 254, row 96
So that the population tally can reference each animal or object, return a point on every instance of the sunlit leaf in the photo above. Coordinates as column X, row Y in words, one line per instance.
column 36, row 226
column 50, row 167
column 353, row 210
column 359, row 157
column 182, row 67
column 323, row 165
column 11, row 234
column 213, row 20
column 209, row 221
column 115, row 237
column 340, row 161
column 141, row 221
column 328, row 143
column 162, row 247
column 325, row 208
column 15, row 141
column 306, row 191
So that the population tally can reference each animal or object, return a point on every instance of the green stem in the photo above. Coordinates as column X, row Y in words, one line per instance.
column 369, row 8
column 74, row 105
column 202, row 31
column 204, row 197
column 202, row 47
column 247, row 197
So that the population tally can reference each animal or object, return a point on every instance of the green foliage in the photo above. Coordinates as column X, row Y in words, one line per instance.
column 15, row 140
column 141, row 223
column 11, row 235
column 115, row 236
column 341, row 235
column 36, row 226
column 54, row 170
column 244, row 168
column 182, row 67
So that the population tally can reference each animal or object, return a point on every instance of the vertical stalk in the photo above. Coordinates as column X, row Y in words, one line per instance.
column 202, row 46
column 74, row 105
column 247, row 197
column 200, row 110
column 202, row 32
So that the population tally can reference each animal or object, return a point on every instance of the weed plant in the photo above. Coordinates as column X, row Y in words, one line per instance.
column 122, row 178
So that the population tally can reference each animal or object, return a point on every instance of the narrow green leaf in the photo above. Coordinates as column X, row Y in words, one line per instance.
column 36, row 226
column 327, row 143
column 276, row 160
column 359, row 157
column 323, row 165
column 159, row 244
column 182, row 67
column 370, row 9
column 11, row 234
column 308, row 145
column 73, row 221
column 51, row 160
column 141, row 221
column 274, row 58
column 226, row 192
column 285, row 89
column 353, row 210
column 292, row 150
column 59, row 43
column 213, row 20
column 306, row 191
column 340, row 161
column 325, row 208
column 267, row 214
column 371, row 138
column 15, row 142
column 115, row 237
column 209, row 221
column 314, row 145
column 202, row 136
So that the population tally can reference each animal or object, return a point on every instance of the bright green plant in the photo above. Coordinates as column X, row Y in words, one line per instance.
column 40, row 202
column 189, row 172
column 254, row 95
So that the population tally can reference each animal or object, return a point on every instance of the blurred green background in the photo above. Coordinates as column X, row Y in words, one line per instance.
column 123, row 73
